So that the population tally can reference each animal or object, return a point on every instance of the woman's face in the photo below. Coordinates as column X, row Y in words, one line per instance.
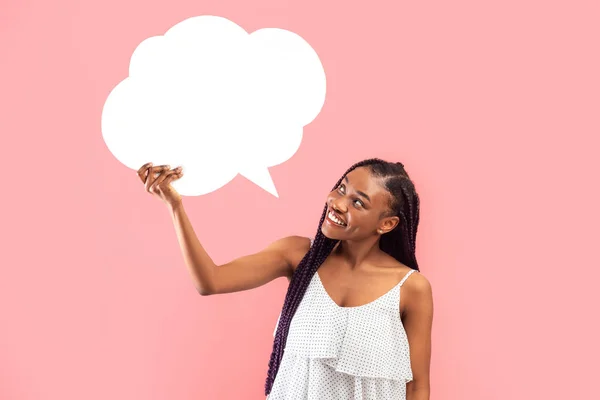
column 355, row 208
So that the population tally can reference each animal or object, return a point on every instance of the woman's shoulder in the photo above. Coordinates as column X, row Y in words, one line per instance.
column 415, row 280
column 417, row 289
column 295, row 248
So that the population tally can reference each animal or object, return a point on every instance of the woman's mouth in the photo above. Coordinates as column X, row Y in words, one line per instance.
column 334, row 220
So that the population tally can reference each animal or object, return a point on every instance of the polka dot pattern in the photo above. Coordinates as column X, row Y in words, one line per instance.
column 335, row 353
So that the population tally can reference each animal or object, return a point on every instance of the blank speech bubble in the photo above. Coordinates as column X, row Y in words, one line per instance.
column 216, row 100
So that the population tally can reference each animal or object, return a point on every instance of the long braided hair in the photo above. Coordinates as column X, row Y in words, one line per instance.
column 399, row 243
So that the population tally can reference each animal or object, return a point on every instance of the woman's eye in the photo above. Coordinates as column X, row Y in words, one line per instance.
column 341, row 189
column 359, row 202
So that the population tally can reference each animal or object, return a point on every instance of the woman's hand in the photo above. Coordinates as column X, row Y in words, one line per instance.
column 158, row 182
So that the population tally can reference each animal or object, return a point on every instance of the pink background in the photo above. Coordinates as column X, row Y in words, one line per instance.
column 493, row 107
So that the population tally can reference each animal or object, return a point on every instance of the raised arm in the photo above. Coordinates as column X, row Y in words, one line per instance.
column 278, row 259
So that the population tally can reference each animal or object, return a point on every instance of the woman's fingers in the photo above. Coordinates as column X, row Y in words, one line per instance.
column 151, row 178
column 157, row 181
column 174, row 176
column 143, row 171
column 162, row 177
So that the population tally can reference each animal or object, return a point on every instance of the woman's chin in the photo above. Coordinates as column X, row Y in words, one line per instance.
column 330, row 233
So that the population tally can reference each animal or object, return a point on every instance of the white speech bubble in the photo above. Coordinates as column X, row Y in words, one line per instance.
column 216, row 100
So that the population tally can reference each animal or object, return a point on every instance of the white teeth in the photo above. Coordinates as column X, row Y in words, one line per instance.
column 335, row 219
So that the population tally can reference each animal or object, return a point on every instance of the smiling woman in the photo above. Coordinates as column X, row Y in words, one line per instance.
column 358, row 328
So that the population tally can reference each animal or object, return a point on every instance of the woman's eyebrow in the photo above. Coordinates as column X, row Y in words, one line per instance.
column 358, row 191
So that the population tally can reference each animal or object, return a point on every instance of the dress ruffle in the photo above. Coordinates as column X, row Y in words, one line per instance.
column 336, row 338
column 302, row 378
column 334, row 352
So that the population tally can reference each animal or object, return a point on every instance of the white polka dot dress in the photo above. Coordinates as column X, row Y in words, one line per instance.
column 349, row 353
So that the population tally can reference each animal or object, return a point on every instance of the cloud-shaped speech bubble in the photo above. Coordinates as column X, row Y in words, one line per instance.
column 216, row 100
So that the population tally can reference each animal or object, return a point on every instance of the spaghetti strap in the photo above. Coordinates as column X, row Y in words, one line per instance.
column 406, row 276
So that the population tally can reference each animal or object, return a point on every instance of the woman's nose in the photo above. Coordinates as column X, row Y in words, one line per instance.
column 338, row 205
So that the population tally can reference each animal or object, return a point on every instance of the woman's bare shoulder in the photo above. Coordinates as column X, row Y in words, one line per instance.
column 415, row 282
column 417, row 288
column 294, row 248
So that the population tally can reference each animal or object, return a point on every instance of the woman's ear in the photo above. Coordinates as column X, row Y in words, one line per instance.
column 388, row 224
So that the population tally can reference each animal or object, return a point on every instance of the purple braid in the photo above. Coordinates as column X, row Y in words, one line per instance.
column 399, row 243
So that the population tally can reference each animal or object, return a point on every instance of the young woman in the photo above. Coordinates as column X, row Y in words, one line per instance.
column 356, row 320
